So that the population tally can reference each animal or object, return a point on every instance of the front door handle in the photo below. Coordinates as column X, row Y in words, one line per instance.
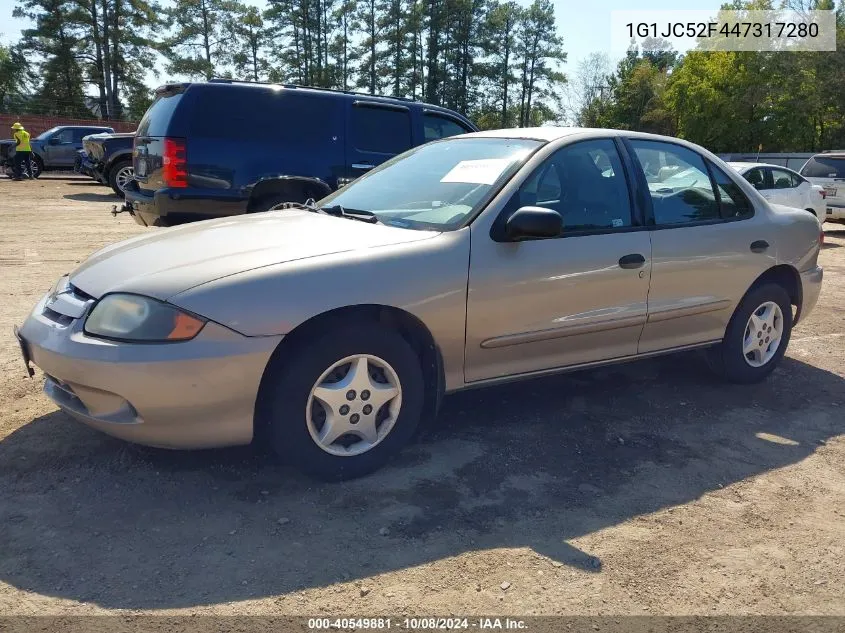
column 759, row 246
column 362, row 166
column 635, row 260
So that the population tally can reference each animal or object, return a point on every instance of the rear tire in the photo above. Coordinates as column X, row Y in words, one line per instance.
column 360, row 439
column 746, row 354
column 36, row 166
column 119, row 176
column 274, row 201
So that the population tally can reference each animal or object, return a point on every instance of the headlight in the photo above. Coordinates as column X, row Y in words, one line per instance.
column 136, row 318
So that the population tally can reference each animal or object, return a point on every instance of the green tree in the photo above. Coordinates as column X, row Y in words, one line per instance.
column 16, row 78
column 249, row 40
column 199, row 45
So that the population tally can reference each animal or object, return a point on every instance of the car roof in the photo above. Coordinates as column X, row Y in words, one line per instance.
column 331, row 93
column 554, row 133
column 830, row 155
column 742, row 166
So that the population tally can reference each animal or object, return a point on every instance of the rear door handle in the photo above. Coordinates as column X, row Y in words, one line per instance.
column 759, row 246
column 362, row 166
column 635, row 260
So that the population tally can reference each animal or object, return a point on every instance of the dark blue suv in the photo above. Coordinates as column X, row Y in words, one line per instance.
column 223, row 147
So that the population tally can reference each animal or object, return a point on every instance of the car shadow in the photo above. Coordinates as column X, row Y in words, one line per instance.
column 92, row 197
column 532, row 464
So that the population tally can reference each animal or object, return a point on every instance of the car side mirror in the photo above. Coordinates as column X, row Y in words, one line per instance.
column 54, row 140
column 533, row 223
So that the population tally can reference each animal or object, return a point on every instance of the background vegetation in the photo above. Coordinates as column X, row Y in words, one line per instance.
column 497, row 61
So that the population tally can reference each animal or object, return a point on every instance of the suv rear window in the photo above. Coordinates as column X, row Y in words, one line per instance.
column 157, row 118
column 279, row 116
column 824, row 167
column 381, row 130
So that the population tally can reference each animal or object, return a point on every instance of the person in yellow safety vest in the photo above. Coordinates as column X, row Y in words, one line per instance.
column 23, row 152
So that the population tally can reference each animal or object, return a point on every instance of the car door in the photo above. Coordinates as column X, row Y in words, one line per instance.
column 57, row 147
column 575, row 299
column 784, row 191
column 708, row 247
column 376, row 132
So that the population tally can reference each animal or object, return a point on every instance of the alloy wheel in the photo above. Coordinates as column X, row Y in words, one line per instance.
column 763, row 334
column 124, row 175
column 354, row 405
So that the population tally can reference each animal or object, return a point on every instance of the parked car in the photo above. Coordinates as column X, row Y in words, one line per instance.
column 54, row 149
column 784, row 186
column 82, row 164
column 332, row 330
column 828, row 171
column 222, row 148
column 110, row 156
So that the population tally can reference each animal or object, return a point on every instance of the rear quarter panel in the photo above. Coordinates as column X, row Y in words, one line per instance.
column 797, row 234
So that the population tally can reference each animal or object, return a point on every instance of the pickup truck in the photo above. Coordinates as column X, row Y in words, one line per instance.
column 109, row 159
column 54, row 149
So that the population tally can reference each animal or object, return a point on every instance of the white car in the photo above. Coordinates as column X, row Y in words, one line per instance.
column 780, row 185
column 828, row 171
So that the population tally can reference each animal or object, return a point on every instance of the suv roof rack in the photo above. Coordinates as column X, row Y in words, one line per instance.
column 834, row 151
column 225, row 80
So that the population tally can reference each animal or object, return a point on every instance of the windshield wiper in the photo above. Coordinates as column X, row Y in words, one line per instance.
column 336, row 210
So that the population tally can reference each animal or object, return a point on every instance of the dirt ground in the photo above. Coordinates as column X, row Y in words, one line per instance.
column 648, row 488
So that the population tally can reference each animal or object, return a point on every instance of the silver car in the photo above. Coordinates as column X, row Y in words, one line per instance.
column 332, row 330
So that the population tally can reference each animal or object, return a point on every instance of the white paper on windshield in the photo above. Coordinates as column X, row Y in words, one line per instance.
column 477, row 172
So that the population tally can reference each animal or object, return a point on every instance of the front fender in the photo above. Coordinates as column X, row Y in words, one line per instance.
column 426, row 278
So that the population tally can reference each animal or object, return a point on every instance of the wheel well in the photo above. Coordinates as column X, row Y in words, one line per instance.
column 298, row 189
column 787, row 277
column 409, row 327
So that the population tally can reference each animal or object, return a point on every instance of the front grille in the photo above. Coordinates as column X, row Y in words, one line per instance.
column 54, row 316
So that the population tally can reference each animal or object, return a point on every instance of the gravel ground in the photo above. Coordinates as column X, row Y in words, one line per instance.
column 648, row 488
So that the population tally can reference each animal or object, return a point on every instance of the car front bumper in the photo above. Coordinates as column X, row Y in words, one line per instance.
column 194, row 394
column 811, row 285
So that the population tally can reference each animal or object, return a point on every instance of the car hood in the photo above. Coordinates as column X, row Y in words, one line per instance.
column 166, row 262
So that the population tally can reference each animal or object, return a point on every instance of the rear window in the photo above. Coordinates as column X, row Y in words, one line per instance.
column 250, row 113
column 824, row 167
column 381, row 130
column 157, row 118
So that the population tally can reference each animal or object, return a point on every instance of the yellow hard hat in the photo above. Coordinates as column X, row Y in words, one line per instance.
column 17, row 126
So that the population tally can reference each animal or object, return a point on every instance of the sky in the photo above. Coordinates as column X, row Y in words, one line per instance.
column 584, row 24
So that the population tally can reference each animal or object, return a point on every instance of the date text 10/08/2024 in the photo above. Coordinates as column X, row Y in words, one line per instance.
column 715, row 29
column 416, row 624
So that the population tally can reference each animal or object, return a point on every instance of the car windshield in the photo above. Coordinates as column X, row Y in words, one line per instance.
column 43, row 136
column 436, row 186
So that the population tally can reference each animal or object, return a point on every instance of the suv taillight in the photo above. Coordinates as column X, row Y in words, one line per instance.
column 174, row 164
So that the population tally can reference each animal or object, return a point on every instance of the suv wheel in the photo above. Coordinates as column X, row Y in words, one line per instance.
column 757, row 336
column 340, row 406
column 120, row 175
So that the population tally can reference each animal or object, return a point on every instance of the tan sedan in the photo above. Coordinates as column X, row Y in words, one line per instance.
column 332, row 330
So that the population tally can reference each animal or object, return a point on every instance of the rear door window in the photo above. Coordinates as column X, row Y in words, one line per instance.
column 157, row 117
column 381, row 130
column 732, row 201
column 277, row 116
column 679, row 183
column 782, row 179
column 824, row 167
column 436, row 126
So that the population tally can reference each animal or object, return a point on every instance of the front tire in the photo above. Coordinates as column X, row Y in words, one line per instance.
column 757, row 336
column 339, row 406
